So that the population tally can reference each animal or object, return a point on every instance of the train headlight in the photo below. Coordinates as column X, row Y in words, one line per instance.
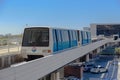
column 46, row 51
column 49, row 51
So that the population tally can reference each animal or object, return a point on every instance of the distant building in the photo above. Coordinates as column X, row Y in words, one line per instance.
column 106, row 30
column 1, row 35
column 86, row 28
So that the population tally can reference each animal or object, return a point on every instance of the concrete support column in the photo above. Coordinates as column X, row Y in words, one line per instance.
column 53, row 76
column 3, row 61
column 98, row 50
column 0, row 62
column 61, row 73
column 87, row 57
column 9, row 60
column 81, row 73
column 58, row 75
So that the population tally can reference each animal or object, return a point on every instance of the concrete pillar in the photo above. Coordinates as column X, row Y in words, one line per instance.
column 81, row 73
column 98, row 50
column 53, row 76
column 87, row 57
column 9, row 61
column 0, row 62
column 62, row 73
column 58, row 75
column 3, row 61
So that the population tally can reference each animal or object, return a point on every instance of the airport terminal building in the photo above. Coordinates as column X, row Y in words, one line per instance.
column 105, row 29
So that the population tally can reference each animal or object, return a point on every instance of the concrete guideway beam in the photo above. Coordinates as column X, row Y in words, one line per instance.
column 36, row 69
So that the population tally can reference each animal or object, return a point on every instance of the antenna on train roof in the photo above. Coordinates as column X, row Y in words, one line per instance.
column 27, row 25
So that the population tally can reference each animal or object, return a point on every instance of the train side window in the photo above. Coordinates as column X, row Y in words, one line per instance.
column 54, row 36
column 82, row 35
column 71, row 33
column 62, row 33
column 65, row 35
column 85, row 34
column 58, row 35
column 74, row 35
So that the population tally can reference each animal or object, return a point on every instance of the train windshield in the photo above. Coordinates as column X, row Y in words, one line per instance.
column 36, row 37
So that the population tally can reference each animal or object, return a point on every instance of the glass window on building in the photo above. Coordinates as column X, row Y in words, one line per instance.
column 108, row 30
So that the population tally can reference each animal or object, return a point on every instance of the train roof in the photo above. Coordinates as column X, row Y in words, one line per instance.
column 37, row 27
column 48, row 27
column 54, row 28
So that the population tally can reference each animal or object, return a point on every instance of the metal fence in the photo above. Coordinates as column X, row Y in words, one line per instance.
column 10, row 45
column 10, row 51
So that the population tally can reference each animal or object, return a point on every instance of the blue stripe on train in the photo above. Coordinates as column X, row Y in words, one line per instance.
column 60, row 47
column 89, row 40
column 74, row 43
column 66, row 45
column 63, row 45
column 84, row 41
column 55, row 47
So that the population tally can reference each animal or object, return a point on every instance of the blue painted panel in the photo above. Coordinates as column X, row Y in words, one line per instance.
column 54, row 47
column 84, row 41
column 60, row 47
column 65, row 45
column 74, row 43
column 89, row 41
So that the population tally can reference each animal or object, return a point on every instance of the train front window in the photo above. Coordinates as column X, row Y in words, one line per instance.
column 36, row 37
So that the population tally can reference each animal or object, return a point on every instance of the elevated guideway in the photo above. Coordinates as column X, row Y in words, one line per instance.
column 36, row 69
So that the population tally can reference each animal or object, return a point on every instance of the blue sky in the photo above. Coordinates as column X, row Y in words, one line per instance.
column 15, row 14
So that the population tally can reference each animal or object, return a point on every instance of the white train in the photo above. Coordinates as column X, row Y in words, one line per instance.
column 42, row 41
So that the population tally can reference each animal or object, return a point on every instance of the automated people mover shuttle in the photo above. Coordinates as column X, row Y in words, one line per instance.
column 43, row 41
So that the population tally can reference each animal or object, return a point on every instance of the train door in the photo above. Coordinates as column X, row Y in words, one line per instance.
column 74, row 38
column 55, row 43
column 59, row 39
column 71, row 38
column 65, row 39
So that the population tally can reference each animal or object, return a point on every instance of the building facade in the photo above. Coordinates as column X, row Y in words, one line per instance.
column 106, row 30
